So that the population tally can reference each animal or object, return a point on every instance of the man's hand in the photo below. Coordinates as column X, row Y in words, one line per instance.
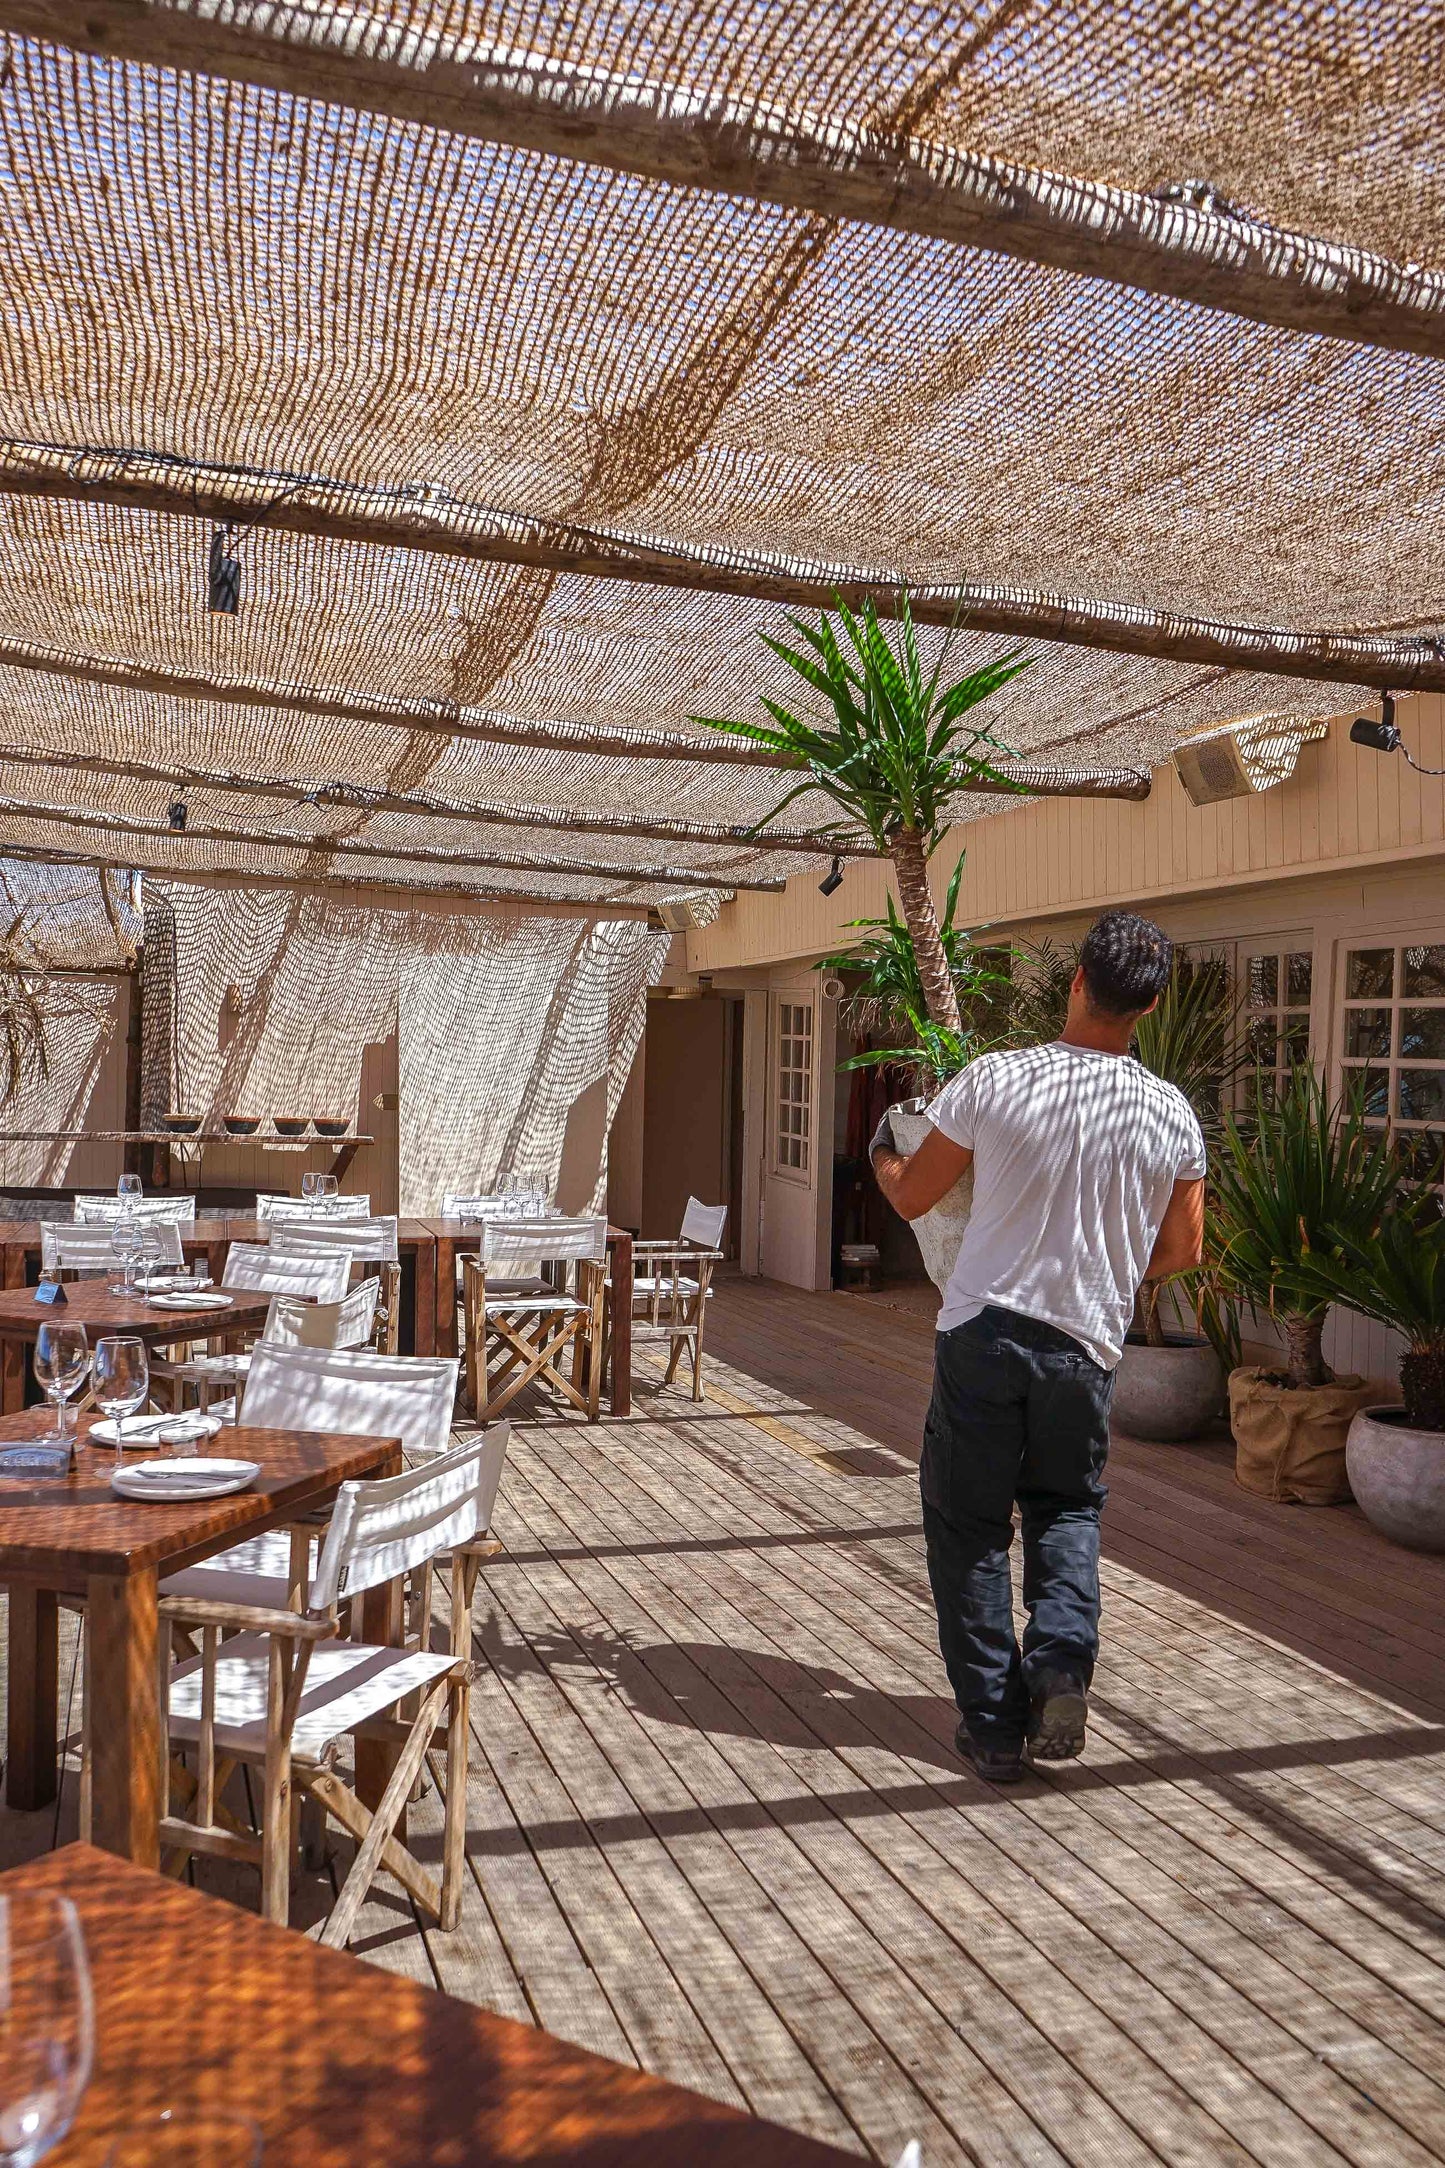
column 913, row 1185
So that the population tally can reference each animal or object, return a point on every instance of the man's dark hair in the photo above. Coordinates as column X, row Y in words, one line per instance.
column 1126, row 962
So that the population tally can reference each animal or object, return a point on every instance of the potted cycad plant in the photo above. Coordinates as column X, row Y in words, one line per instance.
column 887, row 1002
column 890, row 747
column 1295, row 1180
column 1394, row 1273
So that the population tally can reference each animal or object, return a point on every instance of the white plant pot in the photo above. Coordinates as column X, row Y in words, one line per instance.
column 1167, row 1394
column 1398, row 1477
column 940, row 1231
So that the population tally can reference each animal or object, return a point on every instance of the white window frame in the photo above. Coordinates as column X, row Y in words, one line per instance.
column 1287, row 1017
column 1347, row 1006
column 793, row 1111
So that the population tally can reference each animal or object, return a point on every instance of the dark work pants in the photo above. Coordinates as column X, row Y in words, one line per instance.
column 1019, row 1411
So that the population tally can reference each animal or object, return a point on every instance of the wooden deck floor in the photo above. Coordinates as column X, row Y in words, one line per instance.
column 717, row 1826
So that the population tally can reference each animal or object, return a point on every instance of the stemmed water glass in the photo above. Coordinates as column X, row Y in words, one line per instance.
column 327, row 1190
column 129, row 1190
column 125, row 1241
column 311, row 1189
column 62, row 1357
column 47, row 2025
column 121, row 1373
column 149, row 1251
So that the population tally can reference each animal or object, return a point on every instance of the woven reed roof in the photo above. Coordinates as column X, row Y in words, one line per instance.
column 387, row 322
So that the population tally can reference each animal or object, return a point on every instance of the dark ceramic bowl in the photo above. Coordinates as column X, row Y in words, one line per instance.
column 241, row 1125
column 181, row 1125
column 291, row 1125
column 327, row 1125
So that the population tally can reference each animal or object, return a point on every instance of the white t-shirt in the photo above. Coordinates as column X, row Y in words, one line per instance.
column 1075, row 1154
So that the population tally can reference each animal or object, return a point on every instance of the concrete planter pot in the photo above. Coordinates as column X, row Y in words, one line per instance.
column 1167, row 1394
column 1398, row 1477
column 940, row 1232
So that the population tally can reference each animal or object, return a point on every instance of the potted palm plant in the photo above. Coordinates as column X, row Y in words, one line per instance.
column 891, row 749
column 1295, row 1179
column 1394, row 1273
column 887, row 1002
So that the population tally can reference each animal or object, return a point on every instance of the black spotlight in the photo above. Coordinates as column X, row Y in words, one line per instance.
column 176, row 814
column 1383, row 735
column 223, row 593
column 832, row 879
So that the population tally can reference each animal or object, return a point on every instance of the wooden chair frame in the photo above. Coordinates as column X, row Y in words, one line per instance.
column 673, row 1307
column 521, row 1333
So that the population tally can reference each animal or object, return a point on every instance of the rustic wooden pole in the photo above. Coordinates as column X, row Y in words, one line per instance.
column 447, row 719
column 497, row 812
column 490, row 900
column 407, row 853
column 1160, row 243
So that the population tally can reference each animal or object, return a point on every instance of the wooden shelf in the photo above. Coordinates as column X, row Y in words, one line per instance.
column 176, row 1137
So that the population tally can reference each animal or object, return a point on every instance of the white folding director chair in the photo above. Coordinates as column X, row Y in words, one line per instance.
column 671, row 1291
column 276, row 1205
column 252, row 1267
column 66, row 1247
column 363, row 1242
column 283, row 1690
column 518, row 1331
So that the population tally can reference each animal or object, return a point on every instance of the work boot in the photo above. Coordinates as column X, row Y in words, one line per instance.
column 1058, row 1713
column 996, row 1764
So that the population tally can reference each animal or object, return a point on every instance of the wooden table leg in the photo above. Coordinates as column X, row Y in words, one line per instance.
column 445, row 1269
column 125, row 1716
column 13, row 1353
column 621, row 1256
column 33, row 1693
column 424, row 1299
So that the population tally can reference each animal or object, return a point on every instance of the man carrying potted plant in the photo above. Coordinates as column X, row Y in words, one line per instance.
column 1088, row 1177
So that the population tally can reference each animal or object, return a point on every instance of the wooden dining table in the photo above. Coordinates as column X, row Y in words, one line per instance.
column 74, row 1535
column 456, row 1238
column 202, row 2007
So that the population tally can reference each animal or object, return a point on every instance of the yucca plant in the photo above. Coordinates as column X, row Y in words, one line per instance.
column 889, row 1003
column 894, row 756
column 1295, row 1180
column 1394, row 1273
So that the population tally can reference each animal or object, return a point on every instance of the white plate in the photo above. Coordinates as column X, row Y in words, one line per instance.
column 145, row 1432
column 198, row 1301
column 184, row 1479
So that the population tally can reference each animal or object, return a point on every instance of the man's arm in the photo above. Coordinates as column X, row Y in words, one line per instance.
column 913, row 1183
column 1179, row 1245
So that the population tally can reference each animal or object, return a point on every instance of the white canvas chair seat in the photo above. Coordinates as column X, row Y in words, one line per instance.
column 284, row 1688
column 519, row 1335
column 644, row 1285
column 347, row 1684
column 101, row 1211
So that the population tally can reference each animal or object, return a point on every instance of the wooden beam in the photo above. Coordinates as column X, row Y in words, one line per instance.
column 488, row 900
column 446, row 718
column 1163, row 242
column 429, row 520
column 488, row 813
column 679, row 879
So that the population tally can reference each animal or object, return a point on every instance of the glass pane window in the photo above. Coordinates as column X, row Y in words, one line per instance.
column 1278, row 985
column 793, row 1125
column 1392, row 1045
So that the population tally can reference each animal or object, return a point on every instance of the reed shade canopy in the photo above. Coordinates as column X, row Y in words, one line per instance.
column 530, row 359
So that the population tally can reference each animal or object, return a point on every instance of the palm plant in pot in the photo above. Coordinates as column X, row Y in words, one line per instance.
column 1295, row 1180
column 887, row 1002
column 1394, row 1273
column 888, row 743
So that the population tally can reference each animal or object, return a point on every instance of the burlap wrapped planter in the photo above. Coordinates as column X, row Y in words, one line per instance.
column 940, row 1231
column 1290, row 1439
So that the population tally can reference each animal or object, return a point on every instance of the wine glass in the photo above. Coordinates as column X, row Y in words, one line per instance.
column 121, row 1374
column 125, row 1241
column 128, row 1188
column 328, row 1188
column 62, row 1357
column 47, row 2025
column 311, row 1189
column 149, row 1251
